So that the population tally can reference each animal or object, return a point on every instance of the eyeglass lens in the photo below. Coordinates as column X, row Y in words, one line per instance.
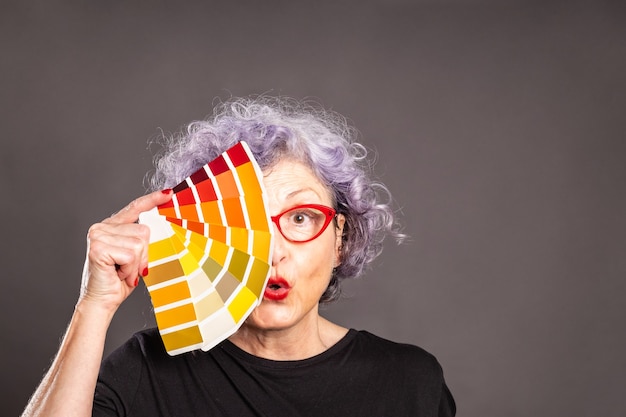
column 302, row 223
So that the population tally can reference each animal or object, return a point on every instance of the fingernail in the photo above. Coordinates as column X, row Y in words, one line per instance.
column 136, row 281
column 144, row 273
column 166, row 191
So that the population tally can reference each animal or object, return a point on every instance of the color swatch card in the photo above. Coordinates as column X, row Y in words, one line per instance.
column 209, row 254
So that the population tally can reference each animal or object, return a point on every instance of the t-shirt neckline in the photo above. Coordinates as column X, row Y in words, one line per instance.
column 232, row 349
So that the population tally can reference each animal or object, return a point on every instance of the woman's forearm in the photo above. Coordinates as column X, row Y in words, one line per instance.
column 117, row 253
column 68, row 387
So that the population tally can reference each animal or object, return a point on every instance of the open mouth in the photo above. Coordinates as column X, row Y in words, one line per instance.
column 277, row 289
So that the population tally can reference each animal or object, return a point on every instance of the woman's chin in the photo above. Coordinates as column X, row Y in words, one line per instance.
column 270, row 316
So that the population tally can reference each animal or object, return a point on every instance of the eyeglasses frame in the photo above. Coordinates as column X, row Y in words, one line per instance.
column 329, row 212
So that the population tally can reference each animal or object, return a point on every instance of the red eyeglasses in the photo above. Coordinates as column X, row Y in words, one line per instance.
column 304, row 223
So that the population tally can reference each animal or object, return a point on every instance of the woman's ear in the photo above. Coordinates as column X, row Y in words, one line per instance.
column 340, row 221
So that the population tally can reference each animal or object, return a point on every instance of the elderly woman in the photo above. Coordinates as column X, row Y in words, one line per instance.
column 286, row 359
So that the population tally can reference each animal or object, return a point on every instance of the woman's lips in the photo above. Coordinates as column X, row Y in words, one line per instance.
column 277, row 289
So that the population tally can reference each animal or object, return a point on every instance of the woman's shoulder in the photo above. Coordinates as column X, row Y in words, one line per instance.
column 402, row 354
column 404, row 368
column 145, row 349
column 145, row 340
column 145, row 343
column 147, row 337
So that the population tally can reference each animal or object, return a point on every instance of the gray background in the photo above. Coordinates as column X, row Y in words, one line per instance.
column 499, row 127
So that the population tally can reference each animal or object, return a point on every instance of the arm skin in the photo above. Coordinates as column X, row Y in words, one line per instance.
column 117, row 254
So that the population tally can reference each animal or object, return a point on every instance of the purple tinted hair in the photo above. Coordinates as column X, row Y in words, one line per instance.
column 277, row 128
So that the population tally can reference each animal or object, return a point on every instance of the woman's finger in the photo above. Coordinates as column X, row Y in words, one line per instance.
column 130, row 213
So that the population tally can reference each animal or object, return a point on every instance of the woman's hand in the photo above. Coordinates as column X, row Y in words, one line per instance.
column 117, row 253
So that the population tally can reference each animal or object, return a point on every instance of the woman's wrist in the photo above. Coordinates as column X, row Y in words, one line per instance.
column 95, row 310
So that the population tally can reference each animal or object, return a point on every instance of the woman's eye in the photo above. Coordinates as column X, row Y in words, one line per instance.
column 299, row 218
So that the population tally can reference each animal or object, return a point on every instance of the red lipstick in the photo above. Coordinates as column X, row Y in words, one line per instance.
column 277, row 289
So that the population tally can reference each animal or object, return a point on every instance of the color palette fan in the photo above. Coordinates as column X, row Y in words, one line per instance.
column 209, row 254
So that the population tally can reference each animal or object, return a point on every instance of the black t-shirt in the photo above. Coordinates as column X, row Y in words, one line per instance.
column 361, row 375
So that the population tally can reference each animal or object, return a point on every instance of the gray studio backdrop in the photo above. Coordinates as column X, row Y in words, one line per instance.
column 499, row 128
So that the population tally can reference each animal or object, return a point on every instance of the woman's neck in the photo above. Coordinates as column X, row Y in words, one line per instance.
column 295, row 343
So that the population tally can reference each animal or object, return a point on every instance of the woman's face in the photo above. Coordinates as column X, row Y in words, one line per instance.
column 300, row 272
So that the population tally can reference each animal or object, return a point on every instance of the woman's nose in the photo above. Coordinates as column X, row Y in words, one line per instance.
column 280, row 248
